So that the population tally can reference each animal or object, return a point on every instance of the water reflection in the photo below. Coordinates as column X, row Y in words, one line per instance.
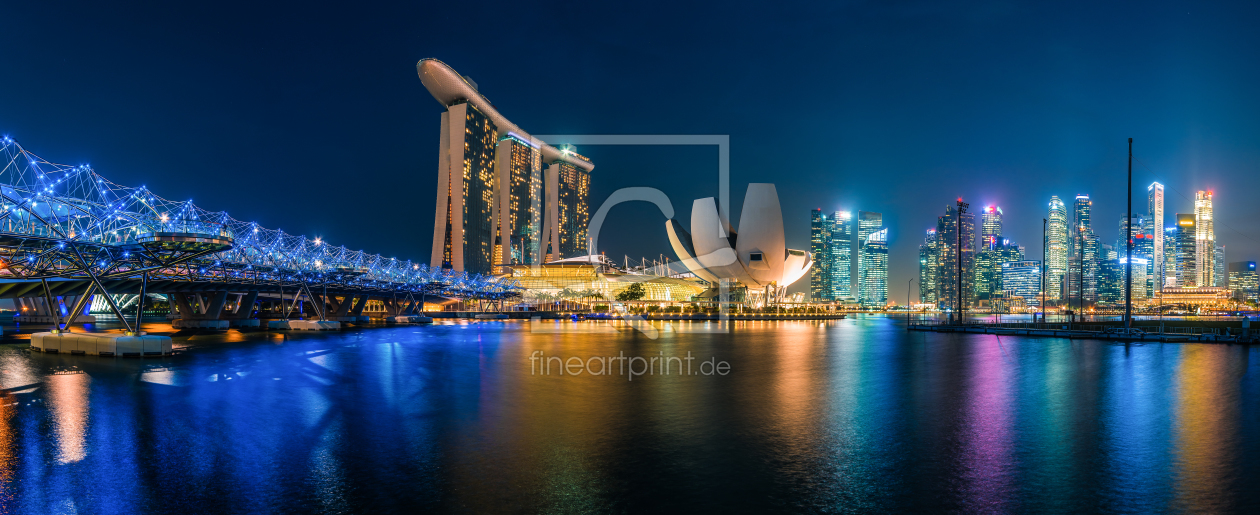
column 1207, row 436
column 68, row 402
column 855, row 415
column 988, row 419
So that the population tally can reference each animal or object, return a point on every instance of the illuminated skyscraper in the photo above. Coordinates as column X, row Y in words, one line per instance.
column 1220, row 277
column 1205, row 240
column 1243, row 281
column 990, row 227
column 1125, row 221
column 1154, row 225
column 989, row 260
column 464, row 228
column 1085, row 249
column 868, row 223
column 948, row 240
column 820, row 245
column 1144, row 247
column 494, row 206
column 519, row 206
column 573, row 193
column 1022, row 279
column 842, row 256
column 928, row 263
column 875, row 269
column 1056, row 249
column 1187, row 272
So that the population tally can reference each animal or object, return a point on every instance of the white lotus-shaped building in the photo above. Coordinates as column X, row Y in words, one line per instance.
column 757, row 256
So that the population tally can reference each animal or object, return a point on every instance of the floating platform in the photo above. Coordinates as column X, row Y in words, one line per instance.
column 1052, row 333
column 304, row 325
column 101, row 344
column 38, row 319
column 220, row 325
column 491, row 316
column 244, row 322
column 408, row 319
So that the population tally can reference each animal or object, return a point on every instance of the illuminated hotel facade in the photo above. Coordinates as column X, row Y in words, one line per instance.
column 496, row 204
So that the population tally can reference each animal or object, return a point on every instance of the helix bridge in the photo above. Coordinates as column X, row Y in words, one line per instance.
column 67, row 231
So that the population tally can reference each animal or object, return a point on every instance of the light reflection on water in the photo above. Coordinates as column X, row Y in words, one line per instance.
column 855, row 415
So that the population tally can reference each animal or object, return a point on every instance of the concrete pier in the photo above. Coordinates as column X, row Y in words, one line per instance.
column 101, row 344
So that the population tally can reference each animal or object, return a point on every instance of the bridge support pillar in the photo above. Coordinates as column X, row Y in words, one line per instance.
column 186, row 311
column 214, row 309
column 245, row 308
column 343, row 309
column 358, row 306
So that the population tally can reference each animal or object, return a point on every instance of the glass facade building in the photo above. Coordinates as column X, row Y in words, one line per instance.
column 842, row 255
column 1153, row 224
column 989, row 262
column 1022, row 279
column 1187, row 252
column 1056, row 249
column 949, row 241
column 875, row 269
column 1243, row 281
column 929, row 260
column 820, row 226
column 868, row 223
column 1205, row 240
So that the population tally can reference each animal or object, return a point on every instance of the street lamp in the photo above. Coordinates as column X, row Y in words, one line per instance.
column 908, row 283
column 1045, row 242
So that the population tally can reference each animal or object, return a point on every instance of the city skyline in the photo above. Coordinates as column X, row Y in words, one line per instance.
column 1054, row 122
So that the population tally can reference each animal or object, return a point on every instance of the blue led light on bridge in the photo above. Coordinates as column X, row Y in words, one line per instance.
column 129, row 232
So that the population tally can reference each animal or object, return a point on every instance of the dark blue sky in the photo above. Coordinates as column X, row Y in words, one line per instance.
column 311, row 118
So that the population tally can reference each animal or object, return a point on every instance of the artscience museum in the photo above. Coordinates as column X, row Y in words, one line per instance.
column 754, row 260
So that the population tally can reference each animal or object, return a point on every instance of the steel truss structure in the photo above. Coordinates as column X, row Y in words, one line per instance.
column 68, row 230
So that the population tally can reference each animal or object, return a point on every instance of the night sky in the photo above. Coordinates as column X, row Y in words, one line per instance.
column 312, row 119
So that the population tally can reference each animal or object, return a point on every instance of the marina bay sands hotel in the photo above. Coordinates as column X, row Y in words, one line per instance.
column 496, row 203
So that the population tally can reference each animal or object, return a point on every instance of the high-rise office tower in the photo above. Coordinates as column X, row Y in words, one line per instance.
column 1144, row 247
column 1085, row 250
column 1022, row 279
column 990, row 227
column 1154, row 225
column 1205, row 239
column 1125, row 222
column 875, row 269
column 494, row 203
column 868, row 223
column 820, row 245
column 1057, row 248
column 1140, row 266
column 948, row 240
column 1187, row 272
column 1220, row 278
column 842, row 256
column 928, row 263
column 1243, row 281
column 989, row 262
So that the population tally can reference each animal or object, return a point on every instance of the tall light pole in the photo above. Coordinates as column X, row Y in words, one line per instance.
column 1128, row 251
column 1045, row 242
column 911, row 281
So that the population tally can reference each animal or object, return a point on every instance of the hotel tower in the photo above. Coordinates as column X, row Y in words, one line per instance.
column 496, row 203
